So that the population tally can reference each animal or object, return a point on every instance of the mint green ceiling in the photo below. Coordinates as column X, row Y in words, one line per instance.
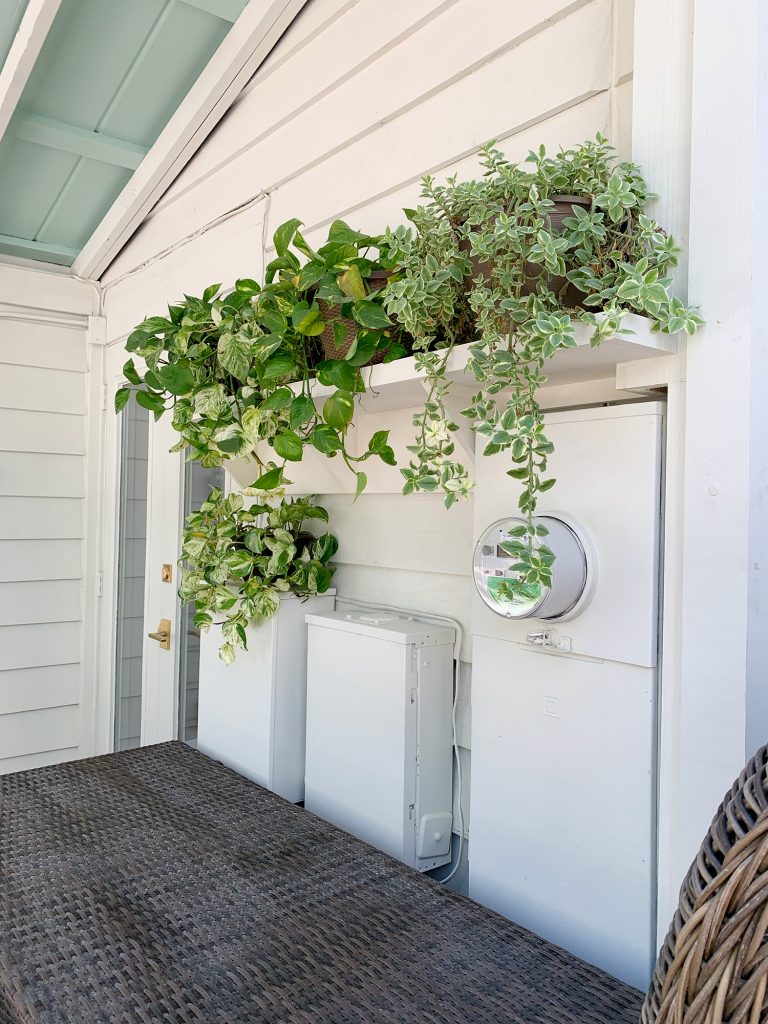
column 10, row 19
column 109, row 77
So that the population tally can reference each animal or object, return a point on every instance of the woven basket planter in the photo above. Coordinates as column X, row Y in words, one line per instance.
column 713, row 966
column 332, row 315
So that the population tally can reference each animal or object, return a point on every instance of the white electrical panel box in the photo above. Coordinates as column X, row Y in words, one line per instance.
column 564, row 745
column 252, row 713
column 379, row 735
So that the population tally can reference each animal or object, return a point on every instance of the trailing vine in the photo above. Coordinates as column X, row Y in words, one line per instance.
column 531, row 267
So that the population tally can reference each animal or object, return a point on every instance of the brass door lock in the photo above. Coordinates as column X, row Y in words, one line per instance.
column 163, row 634
column 166, row 573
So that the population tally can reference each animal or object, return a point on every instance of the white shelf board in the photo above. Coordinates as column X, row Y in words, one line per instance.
column 399, row 385
column 580, row 375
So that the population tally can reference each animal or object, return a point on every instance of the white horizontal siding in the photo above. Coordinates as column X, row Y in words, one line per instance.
column 37, row 732
column 31, row 689
column 43, row 371
column 42, row 390
column 26, row 761
column 24, row 518
column 42, row 559
column 40, row 475
column 43, row 432
column 38, row 601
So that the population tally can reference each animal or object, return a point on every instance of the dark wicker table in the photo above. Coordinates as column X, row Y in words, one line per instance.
column 158, row 886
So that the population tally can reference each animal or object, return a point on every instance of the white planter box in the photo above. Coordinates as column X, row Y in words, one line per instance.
column 253, row 713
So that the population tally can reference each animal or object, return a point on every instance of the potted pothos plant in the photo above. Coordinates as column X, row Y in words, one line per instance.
column 342, row 284
column 527, row 252
column 237, row 561
column 235, row 371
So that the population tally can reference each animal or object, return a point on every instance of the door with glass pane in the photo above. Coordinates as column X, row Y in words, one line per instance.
column 198, row 483
column 131, row 561
column 142, row 633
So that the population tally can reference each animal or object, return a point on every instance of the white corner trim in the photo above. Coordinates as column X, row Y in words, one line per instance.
column 25, row 49
column 251, row 39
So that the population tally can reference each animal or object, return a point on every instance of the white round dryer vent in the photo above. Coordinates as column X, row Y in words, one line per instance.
column 573, row 573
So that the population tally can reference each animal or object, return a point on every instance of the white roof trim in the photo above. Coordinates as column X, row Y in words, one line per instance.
column 24, row 51
column 253, row 36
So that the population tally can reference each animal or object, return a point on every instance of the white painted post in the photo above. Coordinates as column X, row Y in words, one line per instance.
column 661, row 129
column 715, row 609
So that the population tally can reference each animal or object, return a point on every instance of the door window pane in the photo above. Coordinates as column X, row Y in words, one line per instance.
column 132, row 549
column 198, row 483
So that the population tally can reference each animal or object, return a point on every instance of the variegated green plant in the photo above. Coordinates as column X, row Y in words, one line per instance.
column 235, row 370
column 236, row 562
column 486, row 262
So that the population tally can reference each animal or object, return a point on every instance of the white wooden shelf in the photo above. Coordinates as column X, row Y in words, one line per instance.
column 399, row 385
column 577, row 376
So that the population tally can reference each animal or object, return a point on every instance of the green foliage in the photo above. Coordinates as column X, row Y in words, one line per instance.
column 499, row 253
column 510, row 263
column 235, row 371
column 237, row 562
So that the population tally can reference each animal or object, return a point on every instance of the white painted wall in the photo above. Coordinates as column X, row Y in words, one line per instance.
column 43, row 413
column 356, row 103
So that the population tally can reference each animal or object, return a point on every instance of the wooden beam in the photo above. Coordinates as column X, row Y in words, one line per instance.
column 32, row 250
column 24, row 51
column 256, row 32
column 69, row 138
column 227, row 10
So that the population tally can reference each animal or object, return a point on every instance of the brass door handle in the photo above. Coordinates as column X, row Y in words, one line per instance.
column 163, row 634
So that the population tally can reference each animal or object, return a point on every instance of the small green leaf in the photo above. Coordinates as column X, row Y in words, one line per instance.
column 339, row 409
column 122, row 396
column 227, row 653
column 149, row 400
column 306, row 319
column 302, row 410
column 176, row 378
column 351, row 283
column 379, row 441
column 283, row 237
column 288, row 445
column 247, row 286
column 325, row 439
column 362, row 480
column 371, row 315
column 279, row 365
column 130, row 373
column 338, row 373
column 270, row 480
column 278, row 399
column 234, row 354
column 211, row 292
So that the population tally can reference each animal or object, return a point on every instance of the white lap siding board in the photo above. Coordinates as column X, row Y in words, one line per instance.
column 43, row 371
column 358, row 101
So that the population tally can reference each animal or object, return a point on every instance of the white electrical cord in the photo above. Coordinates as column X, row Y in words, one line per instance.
column 429, row 617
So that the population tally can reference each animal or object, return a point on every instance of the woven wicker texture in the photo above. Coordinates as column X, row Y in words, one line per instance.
column 331, row 350
column 158, row 886
column 713, row 966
